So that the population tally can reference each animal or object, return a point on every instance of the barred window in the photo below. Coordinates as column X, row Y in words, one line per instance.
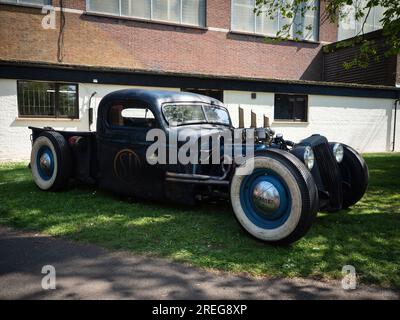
column 189, row 12
column 47, row 100
column 290, row 107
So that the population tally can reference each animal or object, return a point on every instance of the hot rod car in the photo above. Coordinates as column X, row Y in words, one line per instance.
column 275, row 202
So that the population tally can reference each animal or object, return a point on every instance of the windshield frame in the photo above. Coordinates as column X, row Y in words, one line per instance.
column 202, row 105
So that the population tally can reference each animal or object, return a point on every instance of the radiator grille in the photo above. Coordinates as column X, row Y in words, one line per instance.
column 330, row 174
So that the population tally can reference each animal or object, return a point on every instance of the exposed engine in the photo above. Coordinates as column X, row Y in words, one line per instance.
column 267, row 137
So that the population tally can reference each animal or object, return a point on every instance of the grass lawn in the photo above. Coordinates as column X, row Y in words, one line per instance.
column 367, row 236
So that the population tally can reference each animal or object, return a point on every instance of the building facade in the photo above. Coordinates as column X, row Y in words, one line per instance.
column 58, row 61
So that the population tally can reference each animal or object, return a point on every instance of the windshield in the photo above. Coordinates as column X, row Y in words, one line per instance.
column 181, row 114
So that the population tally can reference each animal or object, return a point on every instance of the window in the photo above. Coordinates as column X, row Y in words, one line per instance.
column 189, row 12
column 166, row 10
column 109, row 6
column 216, row 115
column 47, row 100
column 182, row 114
column 28, row 2
column 244, row 19
column 138, row 8
column 290, row 107
column 129, row 116
column 348, row 26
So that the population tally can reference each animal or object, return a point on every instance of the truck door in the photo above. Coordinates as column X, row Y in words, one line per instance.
column 122, row 152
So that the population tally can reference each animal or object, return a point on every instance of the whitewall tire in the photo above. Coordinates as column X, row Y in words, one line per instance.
column 278, row 200
column 50, row 161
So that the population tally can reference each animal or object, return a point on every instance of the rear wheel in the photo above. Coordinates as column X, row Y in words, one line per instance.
column 50, row 161
column 278, row 201
column 355, row 176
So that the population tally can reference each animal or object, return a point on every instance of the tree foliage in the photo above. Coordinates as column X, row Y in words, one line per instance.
column 334, row 11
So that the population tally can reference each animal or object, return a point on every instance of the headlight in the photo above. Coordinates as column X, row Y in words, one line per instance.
column 309, row 157
column 338, row 152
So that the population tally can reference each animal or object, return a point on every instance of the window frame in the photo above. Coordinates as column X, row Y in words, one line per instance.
column 56, row 101
column 278, row 19
column 293, row 120
column 150, row 19
column 24, row 4
column 201, row 104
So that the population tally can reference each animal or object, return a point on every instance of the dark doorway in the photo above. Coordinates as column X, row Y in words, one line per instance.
column 213, row 93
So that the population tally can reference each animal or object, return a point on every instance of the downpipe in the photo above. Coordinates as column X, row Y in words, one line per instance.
column 394, row 124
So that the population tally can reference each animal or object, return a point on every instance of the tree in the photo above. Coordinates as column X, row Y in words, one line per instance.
column 294, row 12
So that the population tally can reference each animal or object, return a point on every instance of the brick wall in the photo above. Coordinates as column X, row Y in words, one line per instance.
column 328, row 31
column 112, row 42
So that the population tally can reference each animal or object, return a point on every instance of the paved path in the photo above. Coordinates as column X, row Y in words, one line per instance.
column 89, row 272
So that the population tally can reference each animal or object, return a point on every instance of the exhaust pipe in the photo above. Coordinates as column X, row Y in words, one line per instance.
column 253, row 120
column 241, row 117
column 266, row 121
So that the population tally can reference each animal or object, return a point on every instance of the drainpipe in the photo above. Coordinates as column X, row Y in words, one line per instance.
column 394, row 124
column 91, row 110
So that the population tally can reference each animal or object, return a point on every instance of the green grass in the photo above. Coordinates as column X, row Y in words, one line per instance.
column 367, row 236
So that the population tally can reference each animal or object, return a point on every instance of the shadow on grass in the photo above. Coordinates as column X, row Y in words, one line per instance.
column 208, row 236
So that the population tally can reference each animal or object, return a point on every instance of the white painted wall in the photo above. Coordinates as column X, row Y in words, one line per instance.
column 15, row 142
column 363, row 123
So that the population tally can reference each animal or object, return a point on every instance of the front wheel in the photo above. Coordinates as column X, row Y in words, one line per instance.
column 278, row 200
column 355, row 176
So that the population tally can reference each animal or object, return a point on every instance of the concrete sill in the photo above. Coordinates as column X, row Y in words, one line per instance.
column 48, row 119
column 260, row 35
column 159, row 22
column 296, row 123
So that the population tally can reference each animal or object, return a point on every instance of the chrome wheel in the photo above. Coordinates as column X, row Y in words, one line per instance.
column 266, row 197
column 46, row 163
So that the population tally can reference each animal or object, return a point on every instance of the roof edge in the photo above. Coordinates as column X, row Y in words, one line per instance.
column 43, row 64
column 23, row 70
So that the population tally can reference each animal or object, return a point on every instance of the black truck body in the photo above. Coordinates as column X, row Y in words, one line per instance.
column 114, row 158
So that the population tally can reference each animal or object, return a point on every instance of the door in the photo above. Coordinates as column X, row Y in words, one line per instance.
column 122, row 150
